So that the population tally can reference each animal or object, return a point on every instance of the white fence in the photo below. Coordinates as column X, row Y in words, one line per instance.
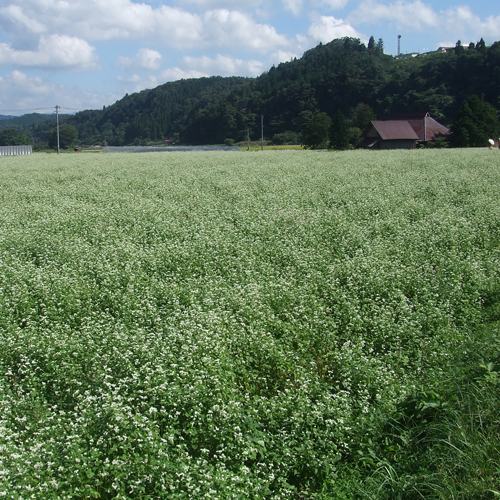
column 15, row 150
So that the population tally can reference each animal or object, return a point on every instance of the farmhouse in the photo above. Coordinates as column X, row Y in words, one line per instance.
column 402, row 131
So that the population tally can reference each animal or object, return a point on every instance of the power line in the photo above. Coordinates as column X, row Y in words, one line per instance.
column 72, row 109
column 37, row 109
column 27, row 109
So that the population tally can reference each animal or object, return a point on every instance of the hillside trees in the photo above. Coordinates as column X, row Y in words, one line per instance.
column 316, row 133
column 476, row 122
column 339, row 131
column 459, row 49
column 12, row 137
column 291, row 107
column 68, row 134
column 380, row 46
column 363, row 114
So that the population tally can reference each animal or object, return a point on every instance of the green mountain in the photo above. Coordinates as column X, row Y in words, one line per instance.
column 342, row 75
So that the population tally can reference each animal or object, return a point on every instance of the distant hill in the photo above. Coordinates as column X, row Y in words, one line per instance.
column 25, row 121
column 6, row 117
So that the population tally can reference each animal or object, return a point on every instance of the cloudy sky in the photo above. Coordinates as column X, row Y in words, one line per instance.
column 83, row 54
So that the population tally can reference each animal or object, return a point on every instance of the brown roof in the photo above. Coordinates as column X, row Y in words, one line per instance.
column 432, row 128
column 416, row 120
column 394, row 129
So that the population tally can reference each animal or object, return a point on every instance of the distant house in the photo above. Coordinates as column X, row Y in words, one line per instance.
column 409, row 55
column 445, row 49
column 402, row 131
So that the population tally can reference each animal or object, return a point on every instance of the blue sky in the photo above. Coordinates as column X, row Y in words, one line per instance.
column 85, row 54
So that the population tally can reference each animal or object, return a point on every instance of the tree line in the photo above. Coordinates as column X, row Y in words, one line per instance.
column 341, row 85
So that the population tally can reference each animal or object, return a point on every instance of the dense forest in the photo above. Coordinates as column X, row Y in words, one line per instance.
column 343, row 76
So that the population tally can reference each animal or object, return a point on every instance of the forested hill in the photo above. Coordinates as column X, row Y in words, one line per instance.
column 340, row 75
column 156, row 114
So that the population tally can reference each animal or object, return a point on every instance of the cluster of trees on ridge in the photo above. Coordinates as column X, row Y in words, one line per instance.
column 342, row 85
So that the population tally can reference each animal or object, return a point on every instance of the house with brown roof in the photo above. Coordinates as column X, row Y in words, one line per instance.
column 402, row 132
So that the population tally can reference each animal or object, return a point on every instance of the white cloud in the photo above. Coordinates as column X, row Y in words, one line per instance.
column 125, row 19
column 294, row 6
column 224, row 28
column 20, row 81
column 145, row 58
column 282, row 56
column 25, row 93
column 454, row 23
column 332, row 4
column 491, row 28
column 108, row 19
column 174, row 74
column 466, row 25
column 136, row 83
column 53, row 51
column 223, row 66
column 15, row 14
column 326, row 28
column 225, row 4
column 204, row 66
column 410, row 15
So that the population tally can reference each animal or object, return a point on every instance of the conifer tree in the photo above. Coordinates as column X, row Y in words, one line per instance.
column 339, row 132
column 380, row 46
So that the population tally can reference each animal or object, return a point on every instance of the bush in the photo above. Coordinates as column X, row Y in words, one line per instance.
column 287, row 138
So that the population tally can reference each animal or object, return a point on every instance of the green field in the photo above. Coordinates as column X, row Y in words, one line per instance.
column 282, row 325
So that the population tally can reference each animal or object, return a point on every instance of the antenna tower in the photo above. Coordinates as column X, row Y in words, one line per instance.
column 399, row 46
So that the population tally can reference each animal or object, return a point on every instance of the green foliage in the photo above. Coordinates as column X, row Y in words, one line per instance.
column 459, row 49
column 339, row 132
column 481, row 46
column 67, row 136
column 362, row 116
column 379, row 48
column 476, row 122
column 287, row 137
column 316, row 133
column 439, row 446
column 12, row 137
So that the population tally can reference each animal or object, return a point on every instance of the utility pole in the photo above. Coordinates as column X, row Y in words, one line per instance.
column 262, row 132
column 57, row 127
column 248, row 139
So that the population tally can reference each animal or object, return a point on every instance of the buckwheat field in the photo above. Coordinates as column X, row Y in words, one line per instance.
column 235, row 325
